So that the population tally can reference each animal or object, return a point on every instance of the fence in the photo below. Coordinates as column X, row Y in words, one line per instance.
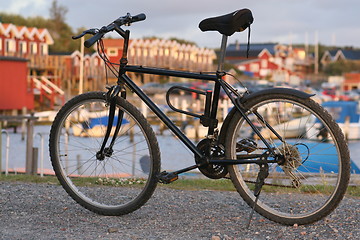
column 29, row 122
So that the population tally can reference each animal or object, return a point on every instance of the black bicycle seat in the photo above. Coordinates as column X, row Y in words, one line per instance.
column 228, row 24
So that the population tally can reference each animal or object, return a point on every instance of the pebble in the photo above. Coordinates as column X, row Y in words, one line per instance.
column 27, row 212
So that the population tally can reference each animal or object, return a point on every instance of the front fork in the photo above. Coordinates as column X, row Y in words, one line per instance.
column 111, row 96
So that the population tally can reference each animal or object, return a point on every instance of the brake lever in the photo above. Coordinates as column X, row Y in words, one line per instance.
column 92, row 31
column 123, row 20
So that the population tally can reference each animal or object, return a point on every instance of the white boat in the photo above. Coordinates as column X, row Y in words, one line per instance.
column 96, row 127
column 200, row 132
column 345, row 114
column 290, row 129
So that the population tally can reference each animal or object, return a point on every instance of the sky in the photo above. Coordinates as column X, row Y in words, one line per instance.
column 335, row 22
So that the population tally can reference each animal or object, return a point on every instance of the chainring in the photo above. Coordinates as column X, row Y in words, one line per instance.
column 213, row 171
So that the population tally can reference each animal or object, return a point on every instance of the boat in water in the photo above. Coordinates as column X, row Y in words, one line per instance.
column 96, row 127
column 290, row 129
column 346, row 116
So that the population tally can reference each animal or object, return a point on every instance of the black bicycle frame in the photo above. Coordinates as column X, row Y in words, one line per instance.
column 133, row 87
column 211, row 109
column 219, row 83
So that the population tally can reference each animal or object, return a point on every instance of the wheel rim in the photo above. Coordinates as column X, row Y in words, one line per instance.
column 118, row 180
column 319, row 170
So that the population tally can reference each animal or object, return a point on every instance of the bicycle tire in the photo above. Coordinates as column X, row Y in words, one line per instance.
column 313, row 180
column 118, row 184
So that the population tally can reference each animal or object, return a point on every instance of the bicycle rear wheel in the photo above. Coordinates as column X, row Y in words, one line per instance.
column 312, row 179
column 122, row 181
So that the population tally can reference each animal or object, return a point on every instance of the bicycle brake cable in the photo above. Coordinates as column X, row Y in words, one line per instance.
column 108, row 64
column 242, row 85
column 248, row 43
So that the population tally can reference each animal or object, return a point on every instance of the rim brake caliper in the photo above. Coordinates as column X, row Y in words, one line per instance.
column 111, row 96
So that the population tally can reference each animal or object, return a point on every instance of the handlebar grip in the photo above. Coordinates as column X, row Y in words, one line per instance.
column 139, row 17
column 88, row 43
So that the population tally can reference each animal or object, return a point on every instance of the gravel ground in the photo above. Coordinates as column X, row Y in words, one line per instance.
column 43, row 211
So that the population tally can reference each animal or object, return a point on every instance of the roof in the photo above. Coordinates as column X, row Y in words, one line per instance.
column 254, row 47
column 329, row 55
column 332, row 52
column 19, row 32
column 60, row 53
column 242, row 61
column 14, row 59
column 242, row 53
column 351, row 54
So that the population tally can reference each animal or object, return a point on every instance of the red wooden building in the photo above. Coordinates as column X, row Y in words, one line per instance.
column 21, row 41
column 273, row 61
column 263, row 66
column 16, row 92
column 114, row 49
column 21, row 50
column 351, row 81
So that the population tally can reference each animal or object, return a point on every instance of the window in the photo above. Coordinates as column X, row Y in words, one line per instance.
column 242, row 68
column 112, row 52
column 76, row 61
column 264, row 63
column 44, row 49
column 254, row 67
column 193, row 57
column 264, row 72
column 33, row 48
column 22, row 47
column 132, row 52
column 10, row 46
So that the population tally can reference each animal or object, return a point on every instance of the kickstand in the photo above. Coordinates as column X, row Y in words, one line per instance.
column 262, row 175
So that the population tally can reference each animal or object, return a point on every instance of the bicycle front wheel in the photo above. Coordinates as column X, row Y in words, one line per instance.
column 126, row 176
column 311, row 179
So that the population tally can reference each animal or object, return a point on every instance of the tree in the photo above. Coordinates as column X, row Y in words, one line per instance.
column 58, row 28
column 60, row 31
column 183, row 41
column 57, row 13
column 339, row 67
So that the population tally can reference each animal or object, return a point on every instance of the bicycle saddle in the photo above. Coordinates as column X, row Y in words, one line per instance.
column 228, row 24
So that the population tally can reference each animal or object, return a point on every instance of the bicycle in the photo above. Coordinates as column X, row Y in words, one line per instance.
column 269, row 143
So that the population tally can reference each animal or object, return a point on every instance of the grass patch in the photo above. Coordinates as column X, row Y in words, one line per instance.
column 181, row 184
column 28, row 178
column 201, row 184
column 353, row 191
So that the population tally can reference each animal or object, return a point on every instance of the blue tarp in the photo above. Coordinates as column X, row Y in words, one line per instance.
column 342, row 109
column 248, row 73
column 104, row 121
column 323, row 158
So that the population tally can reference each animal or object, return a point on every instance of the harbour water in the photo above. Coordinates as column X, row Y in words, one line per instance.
column 174, row 155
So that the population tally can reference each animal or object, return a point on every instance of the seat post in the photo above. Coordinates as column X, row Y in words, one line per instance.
column 222, row 53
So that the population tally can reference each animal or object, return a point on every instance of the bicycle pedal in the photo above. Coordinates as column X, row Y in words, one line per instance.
column 168, row 177
column 247, row 145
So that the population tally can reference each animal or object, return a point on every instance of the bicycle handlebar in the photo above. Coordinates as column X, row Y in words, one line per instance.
column 99, row 33
column 130, row 19
column 88, row 43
